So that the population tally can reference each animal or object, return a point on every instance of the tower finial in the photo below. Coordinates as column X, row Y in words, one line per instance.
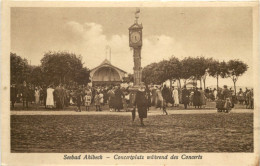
column 108, row 53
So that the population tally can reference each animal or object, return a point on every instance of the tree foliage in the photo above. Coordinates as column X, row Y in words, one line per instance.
column 235, row 68
column 67, row 68
column 149, row 74
column 216, row 69
column 55, row 68
column 36, row 77
column 64, row 67
column 20, row 69
column 192, row 68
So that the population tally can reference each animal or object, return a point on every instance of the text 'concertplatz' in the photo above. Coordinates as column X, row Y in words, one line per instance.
column 133, row 157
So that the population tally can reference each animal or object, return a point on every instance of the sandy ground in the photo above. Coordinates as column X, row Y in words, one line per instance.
column 181, row 131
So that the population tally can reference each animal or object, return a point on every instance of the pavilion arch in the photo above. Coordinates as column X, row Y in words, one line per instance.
column 106, row 74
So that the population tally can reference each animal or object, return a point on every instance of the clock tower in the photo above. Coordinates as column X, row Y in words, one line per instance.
column 135, row 42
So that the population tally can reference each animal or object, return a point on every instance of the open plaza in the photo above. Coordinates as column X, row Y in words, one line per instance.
column 191, row 130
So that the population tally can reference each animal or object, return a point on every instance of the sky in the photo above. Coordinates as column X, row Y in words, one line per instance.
column 222, row 33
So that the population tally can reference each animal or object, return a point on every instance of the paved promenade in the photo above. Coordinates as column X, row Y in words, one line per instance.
column 153, row 111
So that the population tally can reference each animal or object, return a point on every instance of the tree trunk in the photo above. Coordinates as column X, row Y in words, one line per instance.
column 170, row 83
column 217, row 82
column 179, row 82
column 200, row 83
column 204, row 82
column 235, row 88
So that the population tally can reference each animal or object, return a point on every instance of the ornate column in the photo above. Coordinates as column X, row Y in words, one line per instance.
column 137, row 67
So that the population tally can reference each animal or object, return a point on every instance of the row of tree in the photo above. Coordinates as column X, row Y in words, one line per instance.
column 55, row 68
column 191, row 68
column 67, row 68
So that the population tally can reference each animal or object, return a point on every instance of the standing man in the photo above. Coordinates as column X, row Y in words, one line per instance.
column 225, row 93
column 118, row 99
column 185, row 96
column 141, row 103
column 25, row 95
column 166, row 96
column 13, row 94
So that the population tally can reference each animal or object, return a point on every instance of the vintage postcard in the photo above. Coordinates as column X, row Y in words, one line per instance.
column 129, row 83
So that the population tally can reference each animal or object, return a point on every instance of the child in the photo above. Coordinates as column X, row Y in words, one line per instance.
column 101, row 96
column 97, row 102
column 87, row 99
column 126, row 101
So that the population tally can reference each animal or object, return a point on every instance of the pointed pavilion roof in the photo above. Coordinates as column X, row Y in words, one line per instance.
column 107, row 63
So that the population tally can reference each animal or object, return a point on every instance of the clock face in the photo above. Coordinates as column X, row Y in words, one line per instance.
column 135, row 37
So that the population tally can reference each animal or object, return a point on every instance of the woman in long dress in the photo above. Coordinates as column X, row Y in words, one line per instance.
column 118, row 99
column 215, row 93
column 202, row 97
column 37, row 97
column 159, row 99
column 196, row 99
column 50, row 98
column 175, row 94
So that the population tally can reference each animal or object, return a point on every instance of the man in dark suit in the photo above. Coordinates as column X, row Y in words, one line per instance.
column 141, row 103
column 185, row 97
column 25, row 95
column 13, row 94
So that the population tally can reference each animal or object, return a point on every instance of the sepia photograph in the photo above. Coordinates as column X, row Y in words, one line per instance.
column 127, row 80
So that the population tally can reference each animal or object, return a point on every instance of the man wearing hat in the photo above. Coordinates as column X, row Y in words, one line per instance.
column 13, row 94
column 25, row 94
column 141, row 103
column 225, row 93
column 185, row 96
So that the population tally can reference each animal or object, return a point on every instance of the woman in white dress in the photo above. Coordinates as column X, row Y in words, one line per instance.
column 215, row 92
column 50, row 99
column 37, row 97
column 175, row 95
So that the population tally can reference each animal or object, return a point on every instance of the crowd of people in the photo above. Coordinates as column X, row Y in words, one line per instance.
column 62, row 96
column 119, row 98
